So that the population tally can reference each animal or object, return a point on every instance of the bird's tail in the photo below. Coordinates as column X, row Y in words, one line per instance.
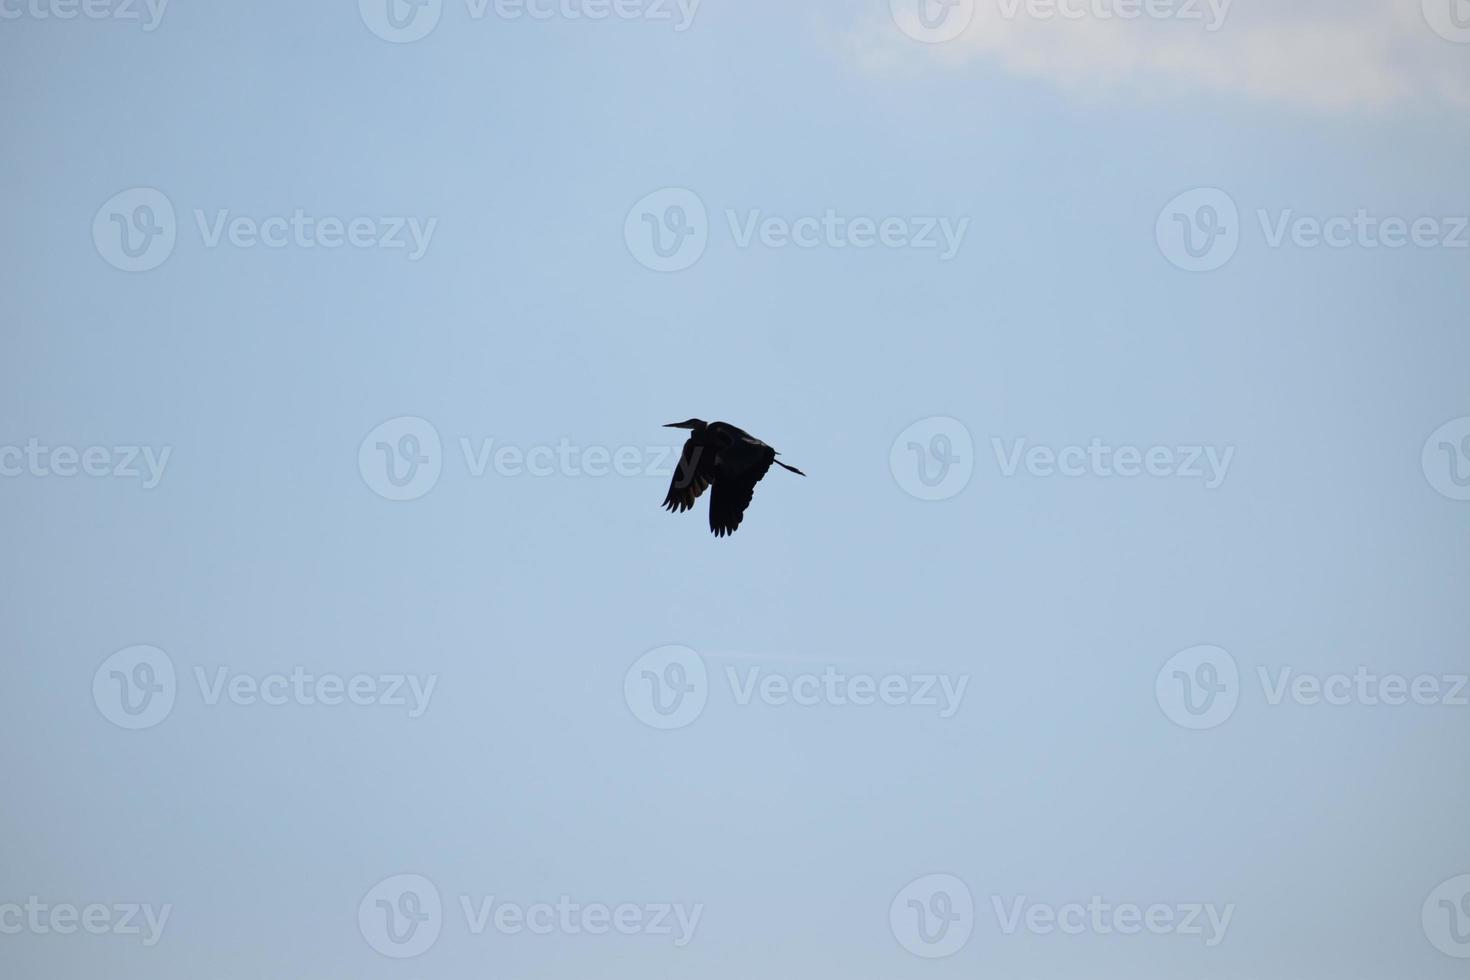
column 791, row 468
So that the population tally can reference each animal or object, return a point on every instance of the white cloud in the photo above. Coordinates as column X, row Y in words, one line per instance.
column 1333, row 56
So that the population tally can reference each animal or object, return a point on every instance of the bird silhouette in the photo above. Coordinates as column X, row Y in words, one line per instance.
column 726, row 458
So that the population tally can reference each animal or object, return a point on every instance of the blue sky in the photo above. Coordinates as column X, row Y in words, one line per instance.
column 1125, row 357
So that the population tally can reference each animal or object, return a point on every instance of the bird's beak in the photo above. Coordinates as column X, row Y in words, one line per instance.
column 675, row 425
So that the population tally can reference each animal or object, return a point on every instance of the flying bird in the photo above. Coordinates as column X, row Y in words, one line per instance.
column 731, row 460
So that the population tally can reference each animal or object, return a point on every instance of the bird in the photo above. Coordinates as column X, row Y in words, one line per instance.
column 727, row 458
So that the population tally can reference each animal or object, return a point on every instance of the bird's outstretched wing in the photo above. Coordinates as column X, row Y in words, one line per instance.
column 734, row 486
column 691, row 477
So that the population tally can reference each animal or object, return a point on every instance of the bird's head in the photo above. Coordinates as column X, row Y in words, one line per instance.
column 687, row 424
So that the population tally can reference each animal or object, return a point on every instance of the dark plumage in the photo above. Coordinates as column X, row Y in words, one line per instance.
column 730, row 460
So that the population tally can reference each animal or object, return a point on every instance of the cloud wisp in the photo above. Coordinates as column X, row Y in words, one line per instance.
column 1330, row 57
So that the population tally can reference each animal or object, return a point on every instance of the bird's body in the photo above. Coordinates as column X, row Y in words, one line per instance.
column 726, row 458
